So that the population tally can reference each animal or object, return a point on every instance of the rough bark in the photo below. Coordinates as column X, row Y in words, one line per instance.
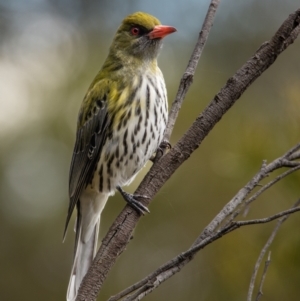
column 120, row 232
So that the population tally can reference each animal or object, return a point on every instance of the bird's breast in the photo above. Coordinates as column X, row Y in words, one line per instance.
column 138, row 125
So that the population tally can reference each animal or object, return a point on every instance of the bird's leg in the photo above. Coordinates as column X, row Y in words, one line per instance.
column 131, row 200
column 164, row 146
column 161, row 150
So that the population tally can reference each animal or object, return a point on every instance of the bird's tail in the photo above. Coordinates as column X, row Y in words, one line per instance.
column 84, row 255
column 87, row 230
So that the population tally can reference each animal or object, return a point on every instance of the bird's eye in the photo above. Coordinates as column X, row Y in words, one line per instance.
column 135, row 31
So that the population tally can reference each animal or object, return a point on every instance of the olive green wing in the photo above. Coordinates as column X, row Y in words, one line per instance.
column 90, row 138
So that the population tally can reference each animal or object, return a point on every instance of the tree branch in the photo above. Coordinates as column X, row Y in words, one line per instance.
column 210, row 233
column 238, row 199
column 120, row 232
column 267, row 263
column 264, row 250
column 188, row 75
column 153, row 280
column 265, row 187
column 289, row 156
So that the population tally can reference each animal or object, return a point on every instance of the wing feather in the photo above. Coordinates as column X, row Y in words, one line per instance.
column 90, row 139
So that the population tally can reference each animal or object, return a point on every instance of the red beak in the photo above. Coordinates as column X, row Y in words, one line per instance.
column 160, row 31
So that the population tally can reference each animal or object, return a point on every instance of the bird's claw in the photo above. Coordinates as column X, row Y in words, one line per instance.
column 161, row 150
column 164, row 146
column 131, row 200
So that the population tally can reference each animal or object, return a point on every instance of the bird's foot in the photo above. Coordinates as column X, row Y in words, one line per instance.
column 131, row 200
column 164, row 146
column 161, row 150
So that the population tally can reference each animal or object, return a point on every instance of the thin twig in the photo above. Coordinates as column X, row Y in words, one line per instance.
column 246, row 204
column 268, row 185
column 267, row 263
column 238, row 224
column 173, row 266
column 295, row 155
column 238, row 199
column 146, row 284
column 293, row 150
column 121, row 231
column 267, row 169
column 265, row 248
column 290, row 155
column 188, row 75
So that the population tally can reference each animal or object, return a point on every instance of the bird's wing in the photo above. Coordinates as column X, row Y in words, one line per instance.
column 90, row 137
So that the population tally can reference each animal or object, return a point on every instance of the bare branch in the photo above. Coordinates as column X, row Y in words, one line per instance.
column 238, row 199
column 295, row 156
column 263, row 189
column 267, row 263
column 270, row 184
column 188, row 75
column 146, row 285
column 265, row 248
column 238, row 224
column 292, row 151
column 267, row 169
column 149, row 283
column 155, row 279
column 121, row 231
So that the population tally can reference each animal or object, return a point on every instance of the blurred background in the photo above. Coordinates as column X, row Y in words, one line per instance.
column 50, row 51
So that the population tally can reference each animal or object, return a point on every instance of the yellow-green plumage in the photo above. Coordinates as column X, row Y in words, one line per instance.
column 120, row 125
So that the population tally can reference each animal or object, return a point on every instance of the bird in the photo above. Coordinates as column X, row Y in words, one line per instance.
column 121, row 124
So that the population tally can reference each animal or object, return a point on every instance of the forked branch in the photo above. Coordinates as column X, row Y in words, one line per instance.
column 120, row 232
column 263, row 252
column 211, row 233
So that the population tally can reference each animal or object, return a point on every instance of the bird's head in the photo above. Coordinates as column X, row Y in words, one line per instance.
column 140, row 36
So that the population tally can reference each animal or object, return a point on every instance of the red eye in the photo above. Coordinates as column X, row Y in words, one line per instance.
column 135, row 31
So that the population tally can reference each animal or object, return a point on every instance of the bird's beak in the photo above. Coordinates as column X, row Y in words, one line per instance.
column 160, row 31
